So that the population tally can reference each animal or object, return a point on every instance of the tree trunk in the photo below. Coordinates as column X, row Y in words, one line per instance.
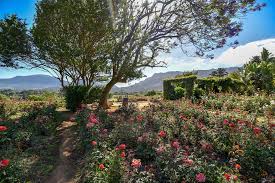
column 103, row 103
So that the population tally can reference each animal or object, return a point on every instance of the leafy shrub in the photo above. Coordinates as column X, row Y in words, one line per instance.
column 76, row 95
column 179, row 92
column 198, row 93
column 151, row 93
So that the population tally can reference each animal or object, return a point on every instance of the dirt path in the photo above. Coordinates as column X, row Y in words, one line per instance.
column 65, row 171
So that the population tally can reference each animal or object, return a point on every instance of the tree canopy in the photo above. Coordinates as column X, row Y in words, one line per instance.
column 142, row 29
column 68, row 35
column 260, row 72
column 14, row 42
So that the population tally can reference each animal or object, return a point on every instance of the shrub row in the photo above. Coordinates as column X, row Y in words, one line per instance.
column 189, row 86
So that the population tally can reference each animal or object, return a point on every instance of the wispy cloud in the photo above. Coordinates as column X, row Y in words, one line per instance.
column 229, row 58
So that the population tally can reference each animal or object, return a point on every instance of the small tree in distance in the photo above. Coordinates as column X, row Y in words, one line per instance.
column 220, row 72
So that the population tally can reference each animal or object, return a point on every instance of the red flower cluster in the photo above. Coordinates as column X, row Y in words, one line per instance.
column 175, row 144
column 3, row 128
column 237, row 166
column 123, row 154
column 188, row 161
column 257, row 130
column 139, row 118
column 122, row 147
column 93, row 143
column 101, row 167
column 4, row 163
column 162, row 134
column 228, row 177
column 92, row 121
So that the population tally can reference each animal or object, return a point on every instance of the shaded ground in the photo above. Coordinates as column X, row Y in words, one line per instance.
column 65, row 170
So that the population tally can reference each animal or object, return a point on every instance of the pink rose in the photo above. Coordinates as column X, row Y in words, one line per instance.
column 200, row 177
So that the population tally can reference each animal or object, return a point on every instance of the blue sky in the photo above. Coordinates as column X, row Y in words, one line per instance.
column 258, row 26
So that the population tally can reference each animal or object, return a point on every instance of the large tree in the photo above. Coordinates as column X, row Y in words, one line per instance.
column 68, row 35
column 141, row 29
column 14, row 42
column 260, row 72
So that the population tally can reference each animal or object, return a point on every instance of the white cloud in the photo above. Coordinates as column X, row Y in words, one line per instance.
column 229, row 58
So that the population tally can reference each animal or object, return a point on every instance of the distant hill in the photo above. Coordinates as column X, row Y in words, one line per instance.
column 32, row 82
column 45, row 82
column 155, row 82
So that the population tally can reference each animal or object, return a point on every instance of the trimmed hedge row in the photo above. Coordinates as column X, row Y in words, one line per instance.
column 192, row 86
column 217, row 85
column 187, row 83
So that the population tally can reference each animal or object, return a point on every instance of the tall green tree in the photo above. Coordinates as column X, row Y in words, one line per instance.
column 15, row 44
column 141, row 29
column 260, row 72
column 69, row 37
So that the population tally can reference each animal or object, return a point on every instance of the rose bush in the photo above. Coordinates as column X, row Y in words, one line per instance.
column 177, row 141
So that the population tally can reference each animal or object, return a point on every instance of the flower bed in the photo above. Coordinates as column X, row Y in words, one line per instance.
column 175, row 142
column 28, row 144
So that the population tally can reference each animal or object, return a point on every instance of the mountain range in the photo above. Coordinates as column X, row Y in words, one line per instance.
column 155, row 82
column 45, row 82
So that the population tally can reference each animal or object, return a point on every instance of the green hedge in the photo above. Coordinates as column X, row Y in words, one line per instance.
column 216, row 85
column 186, row 83
column 76, row 95
column 202, row 85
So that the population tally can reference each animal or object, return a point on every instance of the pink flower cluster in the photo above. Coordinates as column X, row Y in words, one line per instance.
column 92, row 121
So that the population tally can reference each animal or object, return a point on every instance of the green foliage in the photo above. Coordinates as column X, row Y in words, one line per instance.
column 187, row 83
column 179, row 92
column 14, row 41
column 198, row 93
column 76, row 95
column 31, row 135
column 69, row 35
column 216, row 85
column 260, row 72
column 151, row 93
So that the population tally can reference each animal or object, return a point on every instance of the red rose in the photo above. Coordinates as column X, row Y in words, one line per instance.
column 162, row 133
column 257, row 130
column 227, row 176
column 176, row 144
column 225, row 122
column 136, row 163
column 3, row 128
column 122, row 147
column 93, row 143
column 101, row 167
column 123, row 154
column 93, row 119
column 238, row 166
column 200, row 177
column 232, row 125
column 4, row 163
column 139, row 118
column 188, row 161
